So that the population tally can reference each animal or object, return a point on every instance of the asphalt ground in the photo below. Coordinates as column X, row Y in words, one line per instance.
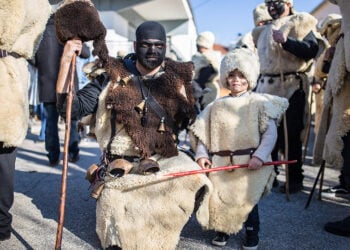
column 284, row 224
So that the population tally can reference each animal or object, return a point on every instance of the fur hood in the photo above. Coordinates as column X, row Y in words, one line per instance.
column 243, row 59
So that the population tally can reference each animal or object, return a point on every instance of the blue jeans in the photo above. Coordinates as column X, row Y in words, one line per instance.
column 52, row 142
column 41, row 112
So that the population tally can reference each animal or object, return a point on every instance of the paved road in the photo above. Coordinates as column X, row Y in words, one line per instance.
column 284, row 224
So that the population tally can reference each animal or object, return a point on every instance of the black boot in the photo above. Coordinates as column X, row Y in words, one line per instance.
column 252, row 227
column 341, row 228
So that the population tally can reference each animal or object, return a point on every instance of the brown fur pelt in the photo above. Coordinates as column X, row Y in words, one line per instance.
column 81, row 19
column 166, row 89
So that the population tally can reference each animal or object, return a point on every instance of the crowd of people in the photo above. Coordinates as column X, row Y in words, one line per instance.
column 250, row 106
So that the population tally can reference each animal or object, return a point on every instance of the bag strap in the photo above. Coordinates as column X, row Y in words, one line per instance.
column 157, row 108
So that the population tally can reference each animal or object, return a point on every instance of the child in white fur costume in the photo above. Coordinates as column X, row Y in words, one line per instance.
column 237, row 129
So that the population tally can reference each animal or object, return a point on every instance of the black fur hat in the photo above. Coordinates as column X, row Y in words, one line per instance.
column 80, row 19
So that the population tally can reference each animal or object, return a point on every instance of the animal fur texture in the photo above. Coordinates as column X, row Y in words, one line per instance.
column 232, row 124
column 149, row 212
column 166, row 89
column 21, row 28
column 337, row 95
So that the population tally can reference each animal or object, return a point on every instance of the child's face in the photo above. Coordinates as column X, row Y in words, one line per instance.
column 237, row 83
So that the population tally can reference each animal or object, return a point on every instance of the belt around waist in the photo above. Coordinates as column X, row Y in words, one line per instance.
column 5, row 53
column 248, row 151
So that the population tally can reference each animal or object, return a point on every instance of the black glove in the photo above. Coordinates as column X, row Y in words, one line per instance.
column 205, row 74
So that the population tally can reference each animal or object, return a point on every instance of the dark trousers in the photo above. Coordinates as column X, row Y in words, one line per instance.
column 344, row 177
column 52, row 143
column 252, row 224
column 295, row 125
column 7, row 171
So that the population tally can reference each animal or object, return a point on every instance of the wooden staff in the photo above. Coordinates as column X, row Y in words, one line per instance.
column 65, row 154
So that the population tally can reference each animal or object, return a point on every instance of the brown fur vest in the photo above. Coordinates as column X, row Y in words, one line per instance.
column 166, row 89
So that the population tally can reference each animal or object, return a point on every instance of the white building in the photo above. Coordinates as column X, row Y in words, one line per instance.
column 121, row 18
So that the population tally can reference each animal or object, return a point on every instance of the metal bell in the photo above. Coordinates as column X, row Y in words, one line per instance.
column 161, row 128
column 140, row 107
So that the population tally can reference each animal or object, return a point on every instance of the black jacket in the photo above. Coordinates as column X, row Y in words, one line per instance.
column 47, row 60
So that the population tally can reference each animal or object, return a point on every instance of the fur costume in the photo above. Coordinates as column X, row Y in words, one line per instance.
column 21, row 29
column 330, row 28
column 138, row 211
column 145, row 141
column 337, row 94
column 149, row 212
column 86, row 25
column 274, row 60
column 248, row 117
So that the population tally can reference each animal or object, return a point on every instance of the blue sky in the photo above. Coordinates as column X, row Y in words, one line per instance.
column 227, row 18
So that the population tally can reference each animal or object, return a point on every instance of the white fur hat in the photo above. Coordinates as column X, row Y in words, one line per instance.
column 261, row 14
column 206, row 39
column 243, row 59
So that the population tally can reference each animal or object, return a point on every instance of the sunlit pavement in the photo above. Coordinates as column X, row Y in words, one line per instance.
column 284, row 224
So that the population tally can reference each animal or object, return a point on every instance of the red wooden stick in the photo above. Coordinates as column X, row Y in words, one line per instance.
column 207, row 170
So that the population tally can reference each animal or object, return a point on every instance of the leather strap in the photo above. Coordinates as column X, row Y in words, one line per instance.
column 5, row 53
column 248, row 151
column 157, row 108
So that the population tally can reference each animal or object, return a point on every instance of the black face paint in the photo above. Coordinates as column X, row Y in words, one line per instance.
column 150, row 53
column 275, row 8
column 150, row 44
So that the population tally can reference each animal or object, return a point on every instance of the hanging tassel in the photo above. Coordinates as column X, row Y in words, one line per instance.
column 161, row 128
column 140, row 107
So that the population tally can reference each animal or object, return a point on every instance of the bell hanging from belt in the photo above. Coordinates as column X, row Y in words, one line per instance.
column 140, row 107
column 161, row 128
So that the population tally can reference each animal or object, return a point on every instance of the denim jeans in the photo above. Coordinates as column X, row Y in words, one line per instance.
column 52, row 143
column 40, row 110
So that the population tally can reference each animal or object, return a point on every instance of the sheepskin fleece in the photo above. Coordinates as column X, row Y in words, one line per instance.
column 201, row 60
column 272, row 57
column 331, row 29
column 21, row 28
column 230, row 124
column 149, row 212
column 337, row 95
column 243, row 59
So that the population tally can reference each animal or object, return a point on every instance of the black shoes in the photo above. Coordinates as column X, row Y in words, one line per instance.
column 74, row 158
column 251, row 242
column 220, row 239
column 293, row 188
column 337, row 191
column 341, row 228
column 54, row 163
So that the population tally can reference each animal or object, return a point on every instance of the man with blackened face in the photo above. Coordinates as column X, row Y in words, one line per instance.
column 150, row 45
column 141, row 101
column 278, row 8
